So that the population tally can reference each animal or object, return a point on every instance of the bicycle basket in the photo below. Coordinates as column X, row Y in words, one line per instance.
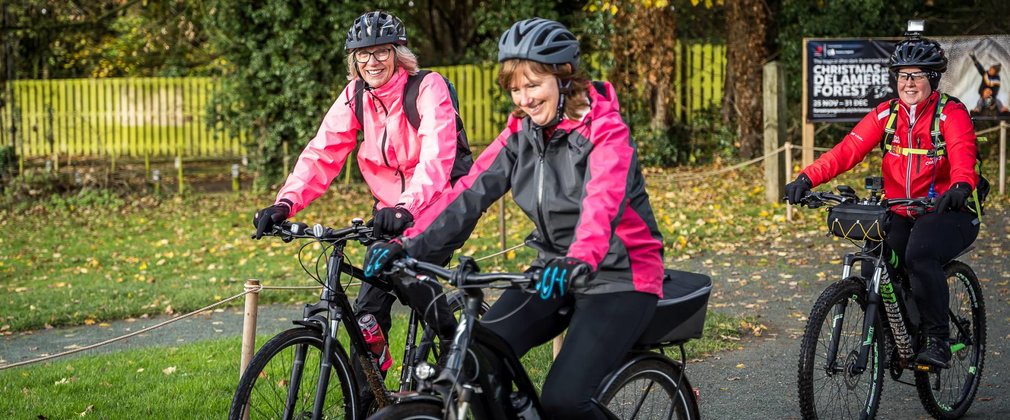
column 860, row 222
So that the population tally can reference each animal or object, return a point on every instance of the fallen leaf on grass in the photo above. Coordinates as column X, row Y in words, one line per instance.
column 169, row 370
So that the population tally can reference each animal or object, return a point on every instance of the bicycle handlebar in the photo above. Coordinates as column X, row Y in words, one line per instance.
column 465, row 275
column 288, row 231
column 815, row 199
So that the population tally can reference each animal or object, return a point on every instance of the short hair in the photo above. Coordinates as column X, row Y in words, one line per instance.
column 575, row 93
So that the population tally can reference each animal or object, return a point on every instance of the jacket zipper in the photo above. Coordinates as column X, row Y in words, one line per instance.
column 403, row 182
column 540, row 191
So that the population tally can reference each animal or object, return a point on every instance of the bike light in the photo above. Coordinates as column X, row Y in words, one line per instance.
column 916, row 25
column 318, row 230
column 424, row 371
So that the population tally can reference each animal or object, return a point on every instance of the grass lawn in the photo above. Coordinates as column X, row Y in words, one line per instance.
column 91, row 258
column 196, row 381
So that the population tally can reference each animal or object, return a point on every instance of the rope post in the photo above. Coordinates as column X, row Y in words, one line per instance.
column 1002, row 156
column 249, row 323
column 501, row 221
column 234, row 177
column 789, row 177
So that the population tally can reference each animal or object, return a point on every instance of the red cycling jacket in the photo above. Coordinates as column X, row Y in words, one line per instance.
column 401, row 165
column 907, row 176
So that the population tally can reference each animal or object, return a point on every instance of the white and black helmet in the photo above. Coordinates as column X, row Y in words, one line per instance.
column 541, row 40
column 375, row 28
column 923, row 53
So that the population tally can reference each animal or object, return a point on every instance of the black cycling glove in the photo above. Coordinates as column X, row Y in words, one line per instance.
column 559, row 274
column 265, row 219
column 797, row 189
column 956, row 198
column 390, row 221
column 380, row 254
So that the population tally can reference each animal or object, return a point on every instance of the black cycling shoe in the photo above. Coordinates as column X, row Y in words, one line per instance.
column 936, row 353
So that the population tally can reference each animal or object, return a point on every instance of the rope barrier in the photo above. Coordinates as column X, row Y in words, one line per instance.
column 252, row 289
column 141, row 331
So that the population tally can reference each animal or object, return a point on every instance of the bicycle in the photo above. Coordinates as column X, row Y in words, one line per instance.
column 305, row 371
column 483, row 378
column 843, row 355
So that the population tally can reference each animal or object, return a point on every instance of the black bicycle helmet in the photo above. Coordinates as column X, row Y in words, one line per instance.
column 918, row 52
column 541, row 40
column 375, row 28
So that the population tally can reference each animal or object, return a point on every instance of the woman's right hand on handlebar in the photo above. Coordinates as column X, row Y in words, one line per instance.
column 264, row 220
column 796, row 190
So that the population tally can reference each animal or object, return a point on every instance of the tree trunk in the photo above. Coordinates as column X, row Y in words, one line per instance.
column 747, row 31
column 645, row 60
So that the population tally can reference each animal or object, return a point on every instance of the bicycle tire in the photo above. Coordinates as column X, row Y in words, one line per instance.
column 648, row 389
column 265, row 382
column 959, row 383
column 410, row 410
column 819, row 396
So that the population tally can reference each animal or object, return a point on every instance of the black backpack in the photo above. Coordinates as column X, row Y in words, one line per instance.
column 939, row 148
column 464, row 157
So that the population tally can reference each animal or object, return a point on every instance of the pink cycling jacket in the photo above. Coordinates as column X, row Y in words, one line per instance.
column 401, row 166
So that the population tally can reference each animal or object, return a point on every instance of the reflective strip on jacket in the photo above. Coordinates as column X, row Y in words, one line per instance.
column 401, row 165
column 583, row 190
column 907, row 176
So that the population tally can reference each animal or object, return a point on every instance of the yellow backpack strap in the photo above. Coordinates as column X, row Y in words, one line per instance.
column 939, row 145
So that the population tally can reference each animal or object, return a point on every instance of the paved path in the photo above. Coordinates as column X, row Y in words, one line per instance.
column 776, row 281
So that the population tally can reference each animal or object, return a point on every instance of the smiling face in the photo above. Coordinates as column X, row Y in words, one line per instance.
column 910, row 90
column 536, row 94
column 376, row 64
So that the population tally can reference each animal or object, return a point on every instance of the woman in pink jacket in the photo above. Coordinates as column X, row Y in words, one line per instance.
column 406, row 168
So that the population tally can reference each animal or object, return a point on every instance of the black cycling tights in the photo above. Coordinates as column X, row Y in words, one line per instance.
column 927, row 243
column 601, row 329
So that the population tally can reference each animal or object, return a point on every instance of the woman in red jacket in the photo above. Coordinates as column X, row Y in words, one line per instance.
column 926, row 242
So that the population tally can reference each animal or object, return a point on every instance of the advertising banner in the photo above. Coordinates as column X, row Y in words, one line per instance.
column 846, row 78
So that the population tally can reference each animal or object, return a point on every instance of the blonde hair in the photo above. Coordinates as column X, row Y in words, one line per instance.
column 575, row 94
column 405, row 59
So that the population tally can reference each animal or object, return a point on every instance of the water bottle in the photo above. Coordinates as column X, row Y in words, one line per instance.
column 375, row 341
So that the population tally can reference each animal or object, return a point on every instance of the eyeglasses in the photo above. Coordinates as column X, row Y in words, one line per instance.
column 917, row 76
column 363, row 56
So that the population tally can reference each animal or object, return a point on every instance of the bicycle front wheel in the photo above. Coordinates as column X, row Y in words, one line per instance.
column 649, row 389
column 829, row 386
column 948, row 394
column 410, row 410
column 282, row 378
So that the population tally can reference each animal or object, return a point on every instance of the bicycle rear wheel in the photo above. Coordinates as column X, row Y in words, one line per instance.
column 649, row 389
column 949, row 393
column 828, row 387
column 276, row 386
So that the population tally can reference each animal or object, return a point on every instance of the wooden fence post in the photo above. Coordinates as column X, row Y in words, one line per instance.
column 789, row 176
column 1002, row 156
column 249, row 323
column 775, row 118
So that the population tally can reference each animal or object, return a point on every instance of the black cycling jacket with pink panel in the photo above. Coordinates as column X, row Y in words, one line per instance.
column 582, row 187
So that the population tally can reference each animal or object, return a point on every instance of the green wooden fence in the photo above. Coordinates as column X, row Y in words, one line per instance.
column 133, row 117
column 166, row 117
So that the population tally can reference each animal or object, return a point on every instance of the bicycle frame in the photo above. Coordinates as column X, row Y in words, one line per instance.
column 334, row 303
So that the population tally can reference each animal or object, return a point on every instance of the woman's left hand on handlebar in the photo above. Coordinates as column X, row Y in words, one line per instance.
column 558, row 275
column 956, row 198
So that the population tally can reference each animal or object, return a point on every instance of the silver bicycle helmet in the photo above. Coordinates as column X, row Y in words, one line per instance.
column 375, row 28
column 541, row 40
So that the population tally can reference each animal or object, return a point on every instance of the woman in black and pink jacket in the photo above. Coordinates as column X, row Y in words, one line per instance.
column 568, row 159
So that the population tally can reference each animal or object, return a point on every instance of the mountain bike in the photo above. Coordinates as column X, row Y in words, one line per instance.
column 865, row 324
column 305, row 372
column 484, row 379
